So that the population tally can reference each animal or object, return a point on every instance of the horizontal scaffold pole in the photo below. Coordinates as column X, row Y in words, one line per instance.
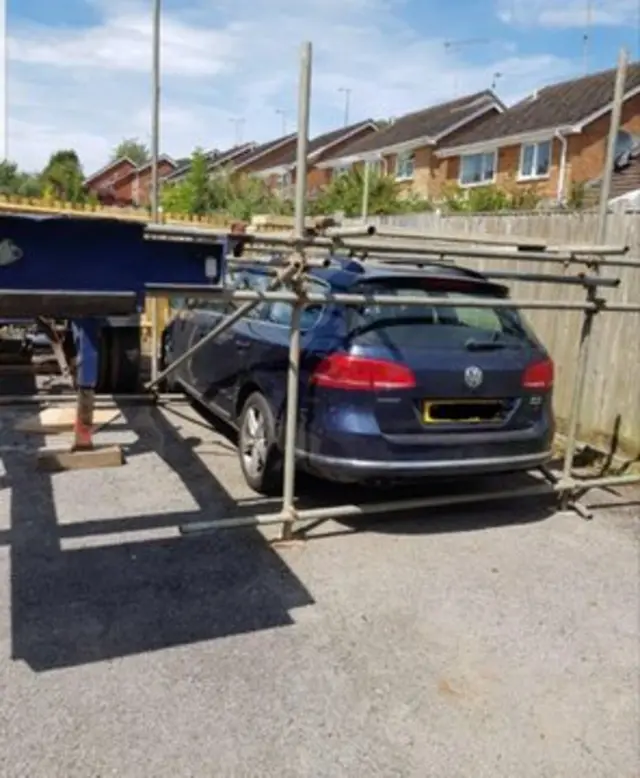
column 379, row 299
column 393, row 246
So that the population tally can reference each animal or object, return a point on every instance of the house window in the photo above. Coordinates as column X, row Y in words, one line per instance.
column 478, row 168
column 340, row 170
column 535, row 159
column 624, row 143
column 405, row 165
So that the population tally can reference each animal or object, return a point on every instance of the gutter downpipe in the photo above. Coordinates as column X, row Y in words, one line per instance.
column 562, row 173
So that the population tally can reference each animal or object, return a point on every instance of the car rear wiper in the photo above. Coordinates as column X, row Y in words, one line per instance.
column 484, row 345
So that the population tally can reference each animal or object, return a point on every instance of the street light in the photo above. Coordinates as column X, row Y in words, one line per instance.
column 4, row 64
column 155, row 110
column 238, row 123
column 586, row 38
column 347, row 99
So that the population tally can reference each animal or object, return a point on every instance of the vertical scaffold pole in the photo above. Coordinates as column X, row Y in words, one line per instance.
column 155, row 154
column 293, row 378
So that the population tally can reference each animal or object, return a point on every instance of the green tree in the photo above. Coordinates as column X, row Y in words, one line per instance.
column 9, row 178
column 486, row 199
column 63, row 178
column 134, row 149
column 198, row 184
column 345, row 193
column 29, row 185
column 193, row 194
column 14, row 181
column 238, row 196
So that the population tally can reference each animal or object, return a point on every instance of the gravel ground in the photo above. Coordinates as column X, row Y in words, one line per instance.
column 497, row 641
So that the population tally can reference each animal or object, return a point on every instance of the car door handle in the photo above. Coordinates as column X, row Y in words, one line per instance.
column 242, row 345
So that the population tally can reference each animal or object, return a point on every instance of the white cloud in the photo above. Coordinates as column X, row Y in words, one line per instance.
column 89, row 87
column 567, row 14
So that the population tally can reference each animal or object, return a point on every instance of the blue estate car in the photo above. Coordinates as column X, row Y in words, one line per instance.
column 387, row 394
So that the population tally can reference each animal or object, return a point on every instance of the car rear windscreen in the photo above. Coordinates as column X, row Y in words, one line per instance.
column 431, row 323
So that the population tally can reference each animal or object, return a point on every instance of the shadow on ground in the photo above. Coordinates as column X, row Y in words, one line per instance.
column 72, row 607
column 94, row 603
column 313, row 493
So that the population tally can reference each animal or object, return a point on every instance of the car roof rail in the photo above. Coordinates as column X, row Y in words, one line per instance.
column 429, row 266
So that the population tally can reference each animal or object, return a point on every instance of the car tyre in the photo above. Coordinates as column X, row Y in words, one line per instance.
column 168, row 384
column 260, row 459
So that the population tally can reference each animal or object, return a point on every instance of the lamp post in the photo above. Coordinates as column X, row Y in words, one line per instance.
column 347, row 99
column 238, row 124
column 4, row 64
column 155, row 111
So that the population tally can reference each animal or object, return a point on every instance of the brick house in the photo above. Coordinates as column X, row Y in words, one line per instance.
column 122, row 183
column 101, row 182
column 265, row 154
column 216, row 160
column 405, row 147
column 278, row 166
column 550, row 141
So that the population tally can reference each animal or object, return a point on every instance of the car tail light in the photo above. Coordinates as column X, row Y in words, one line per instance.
column 539, row 375
column 342, row 371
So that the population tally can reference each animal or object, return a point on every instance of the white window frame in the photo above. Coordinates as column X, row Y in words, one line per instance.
column 536, row 146
column 621, row 135
column 405, row 158
column 484, row 181
column 340, row 170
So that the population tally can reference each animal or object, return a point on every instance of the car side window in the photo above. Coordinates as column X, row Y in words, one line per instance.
column 281, row 312
column 216, row 304
column 258, row 282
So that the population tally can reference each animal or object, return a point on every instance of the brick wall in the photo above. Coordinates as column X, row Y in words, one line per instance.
column 135, row 188
column 110, row 175
column 587, row 151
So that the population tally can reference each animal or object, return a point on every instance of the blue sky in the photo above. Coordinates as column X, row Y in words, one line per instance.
column 79, row 70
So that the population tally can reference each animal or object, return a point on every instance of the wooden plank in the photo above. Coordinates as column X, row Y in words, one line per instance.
column 52, row 421
column 56, row 460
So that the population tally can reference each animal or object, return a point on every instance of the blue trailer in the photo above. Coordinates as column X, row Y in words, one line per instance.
column 94, row 274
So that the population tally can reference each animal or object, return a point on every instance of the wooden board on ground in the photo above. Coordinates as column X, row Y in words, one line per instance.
column 56, row 460
column 51, row 421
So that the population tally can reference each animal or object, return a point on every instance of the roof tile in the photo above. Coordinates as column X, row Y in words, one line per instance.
column 289, row 151
column 558, row 105
column 428, row 122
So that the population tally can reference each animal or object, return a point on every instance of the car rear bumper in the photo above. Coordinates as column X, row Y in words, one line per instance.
column 356, row 470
